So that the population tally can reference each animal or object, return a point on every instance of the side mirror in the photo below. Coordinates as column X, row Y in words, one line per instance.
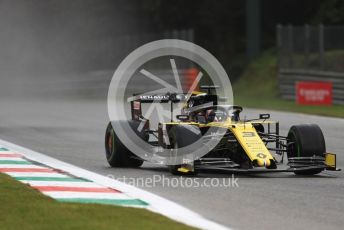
column 264, row 116
column 183, row 117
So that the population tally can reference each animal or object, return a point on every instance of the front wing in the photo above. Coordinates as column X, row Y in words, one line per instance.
column 297, row 164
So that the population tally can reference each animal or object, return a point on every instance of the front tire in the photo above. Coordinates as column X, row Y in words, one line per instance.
column 306, row 141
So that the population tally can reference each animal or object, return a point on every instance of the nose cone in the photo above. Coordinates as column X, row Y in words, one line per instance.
column 260, row 162
column 263, row 162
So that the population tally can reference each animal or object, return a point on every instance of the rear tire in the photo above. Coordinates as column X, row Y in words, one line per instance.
column 308, row 141
column 117, row 154
column 181, row 136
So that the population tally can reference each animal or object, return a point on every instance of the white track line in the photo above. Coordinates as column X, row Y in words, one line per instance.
column 87, row 195
column 11, row 159
column 21, row 166
column 63, row 183
column 156, row 203
column 36, row 174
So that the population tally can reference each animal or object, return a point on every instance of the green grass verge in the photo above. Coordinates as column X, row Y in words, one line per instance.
column 257, row 88
column 25, row 208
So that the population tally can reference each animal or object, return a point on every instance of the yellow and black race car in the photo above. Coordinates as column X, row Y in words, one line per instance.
column 244, row 146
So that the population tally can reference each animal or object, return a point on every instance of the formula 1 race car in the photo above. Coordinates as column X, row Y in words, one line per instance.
column 246, row 146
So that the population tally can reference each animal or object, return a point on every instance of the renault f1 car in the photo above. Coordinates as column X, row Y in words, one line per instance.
column 246, row 146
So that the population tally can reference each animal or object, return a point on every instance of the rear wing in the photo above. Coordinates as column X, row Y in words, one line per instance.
column 137, row 100
column 158, row 98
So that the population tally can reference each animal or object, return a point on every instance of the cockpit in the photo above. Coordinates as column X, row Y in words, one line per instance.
column 216, row 114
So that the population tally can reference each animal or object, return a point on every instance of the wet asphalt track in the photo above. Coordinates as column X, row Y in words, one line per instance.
column 73, row 131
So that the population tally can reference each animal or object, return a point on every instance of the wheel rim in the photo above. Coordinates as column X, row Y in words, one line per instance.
column 110, row 144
